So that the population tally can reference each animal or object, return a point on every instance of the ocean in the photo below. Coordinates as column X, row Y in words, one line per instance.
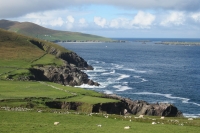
column 146, row 71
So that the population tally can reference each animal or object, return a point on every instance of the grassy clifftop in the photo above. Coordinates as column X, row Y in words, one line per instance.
column 18, row 56
column 19, row 51
column 34, row 30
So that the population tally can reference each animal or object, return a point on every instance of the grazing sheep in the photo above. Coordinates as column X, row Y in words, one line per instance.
column 162, row 117
column 153, row 123
column 127, row 127
column 99, row 125
column 141, row 116
column 56, row 123
column 190, row 119
column 106, row 116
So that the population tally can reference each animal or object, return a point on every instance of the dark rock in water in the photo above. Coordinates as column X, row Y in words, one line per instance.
column 66, row 75
column 73, row 58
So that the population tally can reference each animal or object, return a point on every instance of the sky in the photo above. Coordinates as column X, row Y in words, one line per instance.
column 110, row 18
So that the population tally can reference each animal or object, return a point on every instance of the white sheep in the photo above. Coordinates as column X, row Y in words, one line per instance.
column 99, row 125
column 190, row 119
column 127, row 127
column 162, row 117
column 153, row 123
column 56, row 123
column 141, row 116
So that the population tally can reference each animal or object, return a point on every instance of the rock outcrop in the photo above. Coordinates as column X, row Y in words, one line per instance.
column 68, row 74
column 65, row 75
column 123, row 107
column 140, row 107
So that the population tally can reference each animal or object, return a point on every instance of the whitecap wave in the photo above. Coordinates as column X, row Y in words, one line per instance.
column 90, row 86
column 134, row 70
column 184, row 100
column 191, row 115
column 122, row 88
column 123, row 76
column 117, row 66
column 109, row 73
column 108, row 92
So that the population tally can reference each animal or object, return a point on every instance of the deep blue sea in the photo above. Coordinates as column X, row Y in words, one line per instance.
column 150, row 72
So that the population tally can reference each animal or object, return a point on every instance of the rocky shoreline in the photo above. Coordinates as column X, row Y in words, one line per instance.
column 70, row 74
column 125, row 106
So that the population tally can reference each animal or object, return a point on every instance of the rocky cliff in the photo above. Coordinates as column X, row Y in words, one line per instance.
column 123, row 107
column 68, row 74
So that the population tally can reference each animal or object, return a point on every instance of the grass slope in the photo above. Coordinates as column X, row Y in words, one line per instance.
column 34, row 30
column 18, row 54
column 19, row 90
column 28, row 122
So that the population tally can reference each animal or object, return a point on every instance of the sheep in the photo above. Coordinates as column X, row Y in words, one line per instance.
column 153, row 123
column 127, row 127
column 56, row 123
column 99, row 125
column 190, row 119
column 162, row 117
column 141, row 116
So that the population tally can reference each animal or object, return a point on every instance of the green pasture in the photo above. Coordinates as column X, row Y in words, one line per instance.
column 22, row 89
column 22, row 93
column 90, row 100
column 29, row 122
column 48, row 59
column 80, row 91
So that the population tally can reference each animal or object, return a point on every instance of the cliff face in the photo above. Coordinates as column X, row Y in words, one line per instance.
column 68, row 74
column 70, row 57
column 124, row 107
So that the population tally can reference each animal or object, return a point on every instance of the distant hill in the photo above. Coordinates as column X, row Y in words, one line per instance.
column 37, row 31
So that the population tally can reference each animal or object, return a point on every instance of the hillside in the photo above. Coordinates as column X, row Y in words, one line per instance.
column 26, row 58
column 36, row 31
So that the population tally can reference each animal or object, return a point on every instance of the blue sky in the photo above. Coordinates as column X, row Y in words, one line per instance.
column 113, row 18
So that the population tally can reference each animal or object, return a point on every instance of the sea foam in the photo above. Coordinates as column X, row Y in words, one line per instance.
column 184, row 100
column 122, row 88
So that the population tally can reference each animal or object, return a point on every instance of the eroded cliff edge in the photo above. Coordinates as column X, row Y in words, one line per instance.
column 68, row 74
column 125, row 106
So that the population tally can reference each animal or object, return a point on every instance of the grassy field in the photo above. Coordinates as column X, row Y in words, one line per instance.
column 48, row 59
column 28, row 122
column 17, row 91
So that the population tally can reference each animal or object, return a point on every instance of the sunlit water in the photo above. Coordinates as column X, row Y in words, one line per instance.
column 150, row 72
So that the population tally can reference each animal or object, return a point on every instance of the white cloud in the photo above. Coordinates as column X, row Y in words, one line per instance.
column 100, row 21
column 70, row 19
column 143, row 20
column 82, row 23
column 114, row 23
column 196, row 17
column 57, row 22
column 174, row 18
column 120, row 23
column 70, row 22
